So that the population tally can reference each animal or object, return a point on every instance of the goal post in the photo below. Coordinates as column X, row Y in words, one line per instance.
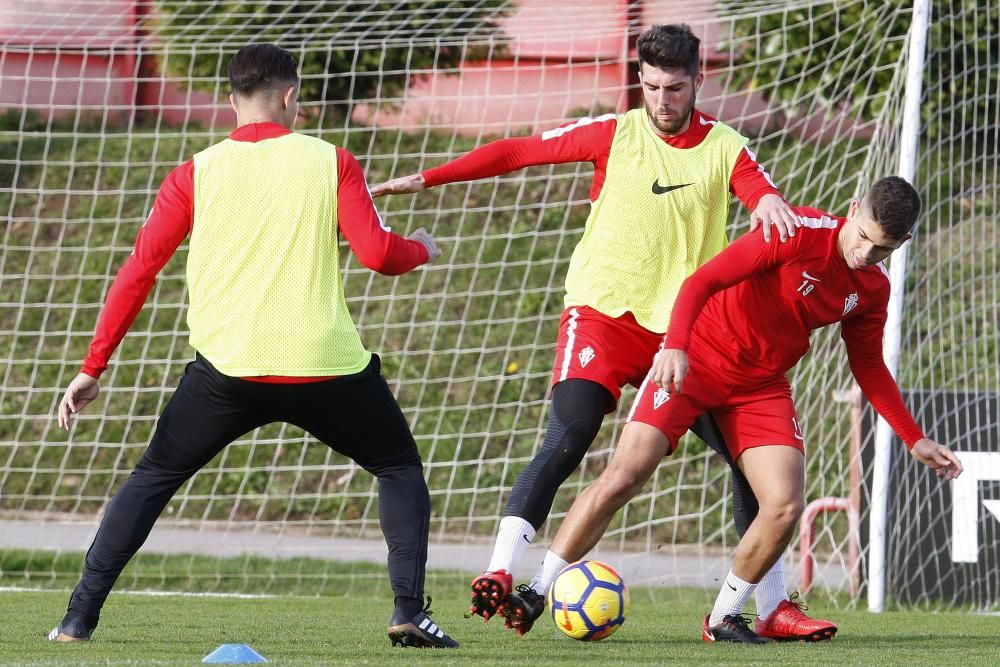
column 879, row 510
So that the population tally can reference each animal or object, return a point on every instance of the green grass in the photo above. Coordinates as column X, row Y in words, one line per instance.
column 661, row 627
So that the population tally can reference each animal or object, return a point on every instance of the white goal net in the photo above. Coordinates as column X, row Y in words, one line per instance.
column 99, row 100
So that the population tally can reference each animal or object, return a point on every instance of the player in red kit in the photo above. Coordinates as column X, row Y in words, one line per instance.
column 738, row 325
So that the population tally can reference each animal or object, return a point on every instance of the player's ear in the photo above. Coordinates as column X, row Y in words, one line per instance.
column 232, row 102
column 698, row 80
column 289, row 97
column 852, row 212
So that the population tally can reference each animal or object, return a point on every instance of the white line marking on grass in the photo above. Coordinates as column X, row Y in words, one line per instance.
column 242, row 596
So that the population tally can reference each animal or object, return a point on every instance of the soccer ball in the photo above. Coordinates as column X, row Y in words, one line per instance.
column 588, row 600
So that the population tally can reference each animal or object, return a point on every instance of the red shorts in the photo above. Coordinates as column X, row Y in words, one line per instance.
column 748, row 417
column 611, row 351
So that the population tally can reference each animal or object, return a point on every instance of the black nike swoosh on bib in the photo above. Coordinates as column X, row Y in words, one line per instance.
column 663, row 189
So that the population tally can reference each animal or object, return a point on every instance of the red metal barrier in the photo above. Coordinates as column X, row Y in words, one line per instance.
column 851, row 504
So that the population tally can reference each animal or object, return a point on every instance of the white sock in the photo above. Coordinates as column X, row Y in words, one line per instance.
column 732, row 598
column 513, row 537
column 771, row 589
column 551, row 566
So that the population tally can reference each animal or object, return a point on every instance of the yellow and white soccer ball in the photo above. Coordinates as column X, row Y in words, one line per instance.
column 589, row 600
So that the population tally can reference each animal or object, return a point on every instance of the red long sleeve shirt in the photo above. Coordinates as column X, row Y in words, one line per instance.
column 171, row 220
column 747, row 313
column 589, row 140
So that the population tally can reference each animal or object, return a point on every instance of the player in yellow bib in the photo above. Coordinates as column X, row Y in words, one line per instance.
column 274, row 340
column 660, row 196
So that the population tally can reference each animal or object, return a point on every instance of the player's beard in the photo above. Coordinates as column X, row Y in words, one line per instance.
column 674, row 124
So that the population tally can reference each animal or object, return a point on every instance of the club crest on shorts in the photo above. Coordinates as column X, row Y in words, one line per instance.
column 586, row 356
column 660, row 397
column 850, row 302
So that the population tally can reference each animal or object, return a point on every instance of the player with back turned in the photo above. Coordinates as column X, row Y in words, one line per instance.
column 663, row 175
column 270, row 326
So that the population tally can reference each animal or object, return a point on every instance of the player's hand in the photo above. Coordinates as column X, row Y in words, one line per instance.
column 424, row 237
column 81, row 391
column 399, row 186
column 773, row 210
column 937, row 456
column 669, row 368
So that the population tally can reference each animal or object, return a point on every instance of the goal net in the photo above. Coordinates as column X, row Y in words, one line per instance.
column 100, row 100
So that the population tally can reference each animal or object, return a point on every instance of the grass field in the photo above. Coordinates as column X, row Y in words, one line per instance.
column 663, row 626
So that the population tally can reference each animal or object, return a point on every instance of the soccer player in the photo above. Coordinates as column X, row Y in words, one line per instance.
column 739, row 324
column 274, row 340
column 663, row 175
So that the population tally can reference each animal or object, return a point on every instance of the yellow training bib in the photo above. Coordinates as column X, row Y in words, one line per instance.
column 263, row 268
column 661, row 214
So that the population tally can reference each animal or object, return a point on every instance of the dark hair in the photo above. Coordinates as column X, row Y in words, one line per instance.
column 666, row 46
column 894, row 205
column 262, row 66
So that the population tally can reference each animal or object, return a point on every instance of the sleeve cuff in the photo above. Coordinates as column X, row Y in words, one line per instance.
column 93, row 371
column 425, row 255
column 671, row 344
column 429, row 180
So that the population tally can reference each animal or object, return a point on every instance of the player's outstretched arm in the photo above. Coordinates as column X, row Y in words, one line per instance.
column 773, row 210
column 399, row 186
column 81, row 391
column 587, row 140
column 937, row 456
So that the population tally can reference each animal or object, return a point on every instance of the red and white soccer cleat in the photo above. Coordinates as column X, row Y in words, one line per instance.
column 490, row 591
column 788, row 623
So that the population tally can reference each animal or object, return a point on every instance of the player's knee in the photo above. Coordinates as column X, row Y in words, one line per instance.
column 563, row 458
column 579, row 406
column 403, row 464
column 580, row 432
column 784, row 512
column 616, row 487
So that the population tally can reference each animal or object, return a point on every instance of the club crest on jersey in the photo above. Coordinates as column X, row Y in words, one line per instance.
column 586, row 356
column 850, row 302
column 660, row 397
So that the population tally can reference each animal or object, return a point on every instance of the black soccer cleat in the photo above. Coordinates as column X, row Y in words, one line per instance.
column 418, row 631
column 75, row 627
column 734, row 628
column 522, row 609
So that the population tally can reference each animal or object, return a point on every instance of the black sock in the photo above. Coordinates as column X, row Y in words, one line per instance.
column 88, row 620
column 408, row 606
